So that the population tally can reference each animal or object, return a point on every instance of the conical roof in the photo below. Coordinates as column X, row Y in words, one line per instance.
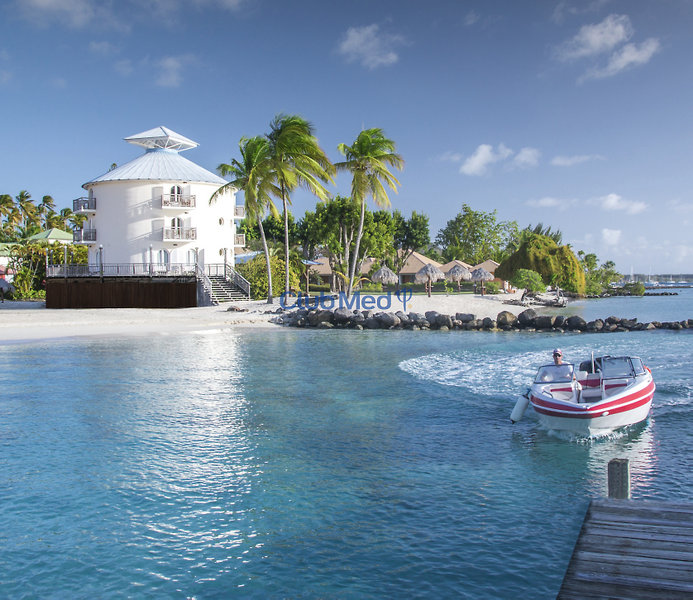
column 158, row 164
column 161, row 137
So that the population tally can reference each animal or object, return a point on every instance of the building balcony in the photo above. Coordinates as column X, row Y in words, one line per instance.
column 84, row 205
column 84, row 236
column 239, row 240
column 239, row 211
column 177, row 201
column 179, row 234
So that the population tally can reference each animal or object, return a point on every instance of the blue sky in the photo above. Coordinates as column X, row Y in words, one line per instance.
column 574, row 114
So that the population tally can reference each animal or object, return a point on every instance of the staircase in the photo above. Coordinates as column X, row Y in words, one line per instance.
column 225, row 291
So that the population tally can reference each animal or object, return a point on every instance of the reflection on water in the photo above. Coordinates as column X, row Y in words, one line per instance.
column 305, row 463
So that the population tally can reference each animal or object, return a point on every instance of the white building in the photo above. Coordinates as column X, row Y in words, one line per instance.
column 155, row 210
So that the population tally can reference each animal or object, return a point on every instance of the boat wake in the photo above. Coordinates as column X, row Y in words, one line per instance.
column 481, row 374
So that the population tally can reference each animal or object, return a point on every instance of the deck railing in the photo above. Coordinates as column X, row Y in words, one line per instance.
column 177, row 201
column 84, row 204
column 121, row 270
column 81, row 236
column 239, row 211
column 179, row 233
column 226, row 271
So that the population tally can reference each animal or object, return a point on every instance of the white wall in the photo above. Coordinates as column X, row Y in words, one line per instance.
column 129, row 218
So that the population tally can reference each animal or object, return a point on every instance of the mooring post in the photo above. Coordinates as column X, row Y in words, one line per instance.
column 619, row 479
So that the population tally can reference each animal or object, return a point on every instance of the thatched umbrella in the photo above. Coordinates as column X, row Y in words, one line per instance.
column 482, row 275
column 458, row 273
column 428, row 274
column 385, row 275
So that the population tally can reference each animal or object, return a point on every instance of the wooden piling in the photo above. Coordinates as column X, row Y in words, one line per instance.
column 619, row 479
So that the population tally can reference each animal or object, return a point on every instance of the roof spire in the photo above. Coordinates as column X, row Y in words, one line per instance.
column 161, row 137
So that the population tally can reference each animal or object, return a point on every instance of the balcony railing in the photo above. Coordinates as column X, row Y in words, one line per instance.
column 83, row 205
column 84, row 236
column 174, row 234
column 121, row 270
column 239, row 211
column 239, row 239
column 177, row 201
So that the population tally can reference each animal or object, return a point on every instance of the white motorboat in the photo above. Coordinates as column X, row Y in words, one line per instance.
column 604, row 394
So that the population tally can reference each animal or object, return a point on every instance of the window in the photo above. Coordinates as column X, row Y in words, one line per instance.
column 221, row 220
column 176, row 192
column 163, row 258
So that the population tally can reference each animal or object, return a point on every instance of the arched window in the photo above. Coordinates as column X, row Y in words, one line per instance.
column 176, row 193
column 164, row 258
column 176, row 228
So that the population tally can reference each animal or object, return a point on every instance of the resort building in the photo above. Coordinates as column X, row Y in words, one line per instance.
column 155, row 210
column 154, row 237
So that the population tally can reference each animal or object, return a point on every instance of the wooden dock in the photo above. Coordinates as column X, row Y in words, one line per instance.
column 632, row 549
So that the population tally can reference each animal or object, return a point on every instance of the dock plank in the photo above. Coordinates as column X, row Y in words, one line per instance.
column 632, row 549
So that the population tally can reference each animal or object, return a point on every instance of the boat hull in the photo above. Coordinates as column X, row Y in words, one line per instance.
column 627, row 408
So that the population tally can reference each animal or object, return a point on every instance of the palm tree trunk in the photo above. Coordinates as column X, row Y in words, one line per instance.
column 286, row 240
column 354, row 260
column 267, row 260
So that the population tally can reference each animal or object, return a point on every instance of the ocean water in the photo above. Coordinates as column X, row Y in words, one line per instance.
column 311, row 464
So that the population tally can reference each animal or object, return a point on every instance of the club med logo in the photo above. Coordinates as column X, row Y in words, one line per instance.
column 357, row 301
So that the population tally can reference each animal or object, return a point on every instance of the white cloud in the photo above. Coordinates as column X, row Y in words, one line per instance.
column 614, row 202
column 566, row 9
column 171, row 70
column 680, row 207
column 626, row 57
column 104, row 48
column 450, row 156
column 551, row 202
column 370, row 47
column 75, row 13
column 124, row 67
column 597, row 39
column 471, row 18
column 569, row 161
column 483, row 157
column 5, row 76
column 611, row 237
column 527, row 157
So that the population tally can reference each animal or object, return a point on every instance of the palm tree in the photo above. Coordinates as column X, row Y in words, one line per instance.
column 368, row 159
column 296, row 159
column 27, row 209
column 253, row 175
column 45, row 210
column 6, row 205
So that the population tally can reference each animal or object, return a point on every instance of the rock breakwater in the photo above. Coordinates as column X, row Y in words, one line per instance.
column 528, row 320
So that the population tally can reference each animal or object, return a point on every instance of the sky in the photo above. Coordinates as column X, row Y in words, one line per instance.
column 575, row 114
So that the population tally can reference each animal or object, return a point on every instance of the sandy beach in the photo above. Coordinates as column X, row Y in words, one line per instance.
column 26, row 321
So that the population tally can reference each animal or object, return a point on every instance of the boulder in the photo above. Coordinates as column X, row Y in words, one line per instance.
column 488, row 323
column 613, row 320
column 526, row 318
column 432, row 316
column 325, row 316
column 559, row 321
column 576, row 323
column 372, row 323
column 325, row 325
column 464, row 317
column 506, row 319
column 444, row 321
column 403, row 318
column 387, row 320
column 596, row 325
column 342, row 315
column 544, row 322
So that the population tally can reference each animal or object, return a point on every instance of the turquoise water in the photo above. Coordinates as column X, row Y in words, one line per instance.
column 295, row 463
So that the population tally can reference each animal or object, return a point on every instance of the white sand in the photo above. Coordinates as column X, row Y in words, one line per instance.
column 25, row 321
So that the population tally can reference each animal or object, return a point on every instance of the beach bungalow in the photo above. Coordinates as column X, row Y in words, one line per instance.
column 52, row 236
column 413, row 265
column 323, row 270
column 453, row 263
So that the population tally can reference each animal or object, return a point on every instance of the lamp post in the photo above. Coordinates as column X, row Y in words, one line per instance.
column 151, row 261
column 101, row 259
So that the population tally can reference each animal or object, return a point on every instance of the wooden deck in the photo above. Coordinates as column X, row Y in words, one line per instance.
column 632, row 549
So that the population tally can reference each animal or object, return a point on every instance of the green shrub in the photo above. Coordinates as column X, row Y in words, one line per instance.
column 528, row 280
column 255, row 271
column 492, row 287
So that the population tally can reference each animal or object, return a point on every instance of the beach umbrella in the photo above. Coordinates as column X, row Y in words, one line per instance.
column 428, row 274
column 385, row 275
column 458, row 273
column 482, row 275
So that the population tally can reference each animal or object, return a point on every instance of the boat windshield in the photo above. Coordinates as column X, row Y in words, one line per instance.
column 616, row 367
column 555, row 373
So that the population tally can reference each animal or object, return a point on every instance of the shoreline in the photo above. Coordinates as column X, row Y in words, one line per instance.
column 27, row 321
